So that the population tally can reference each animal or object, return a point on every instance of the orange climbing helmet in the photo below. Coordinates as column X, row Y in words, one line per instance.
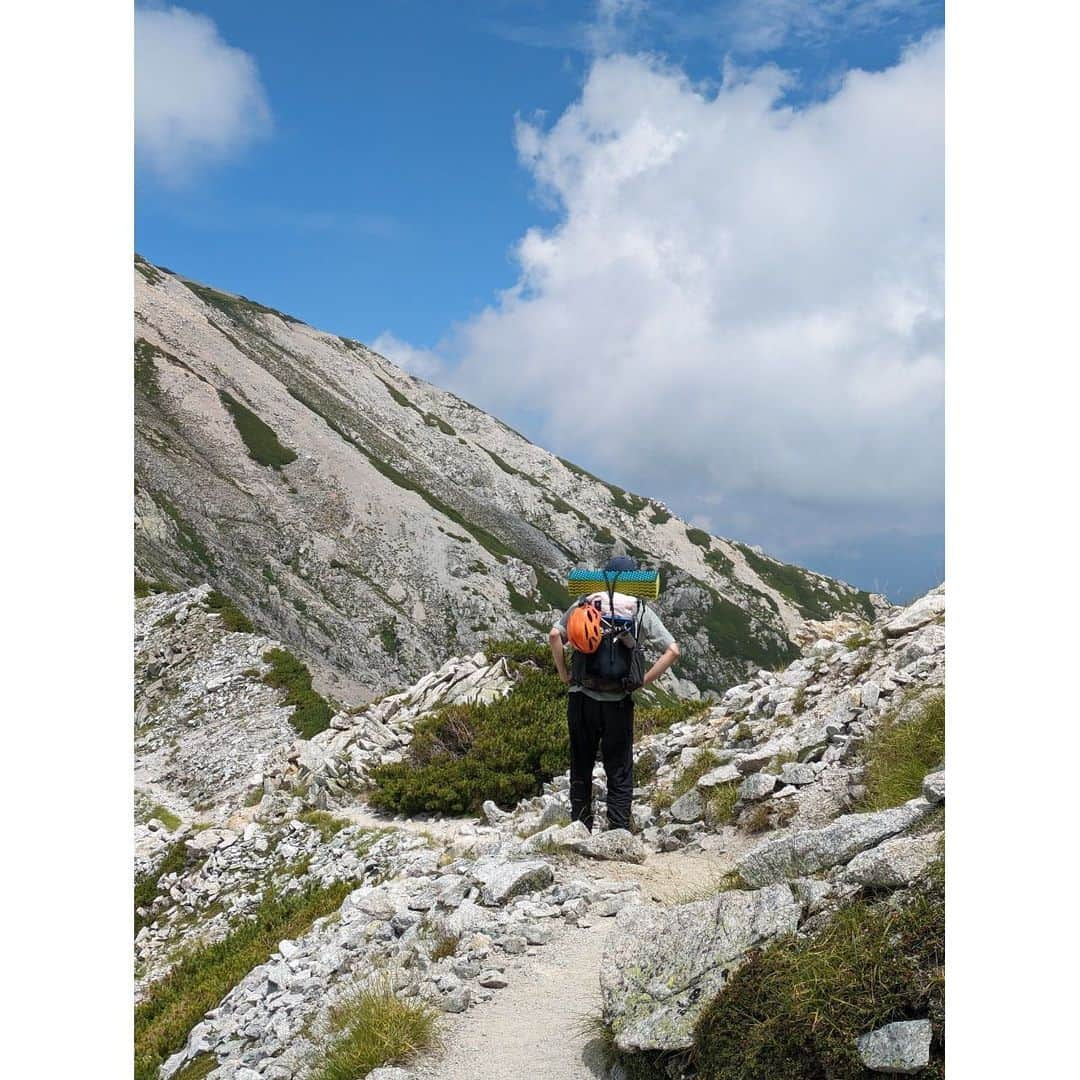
column 583, row 628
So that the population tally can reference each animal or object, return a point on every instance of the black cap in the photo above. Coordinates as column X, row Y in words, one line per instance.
column 621, row 562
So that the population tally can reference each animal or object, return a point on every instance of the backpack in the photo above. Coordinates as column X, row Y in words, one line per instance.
column 619, row 661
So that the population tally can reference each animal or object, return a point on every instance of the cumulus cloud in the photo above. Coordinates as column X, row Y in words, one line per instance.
column 741, row 307
column 198, row 100
column 424, row 363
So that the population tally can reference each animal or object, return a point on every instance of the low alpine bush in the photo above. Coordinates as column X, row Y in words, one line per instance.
column 312, row 712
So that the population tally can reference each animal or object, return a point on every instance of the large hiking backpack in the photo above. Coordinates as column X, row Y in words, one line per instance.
column 618, row 664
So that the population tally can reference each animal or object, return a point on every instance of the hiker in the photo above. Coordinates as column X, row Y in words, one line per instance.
column 607, row 631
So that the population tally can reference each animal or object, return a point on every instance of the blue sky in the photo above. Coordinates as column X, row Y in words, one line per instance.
column 420, row 175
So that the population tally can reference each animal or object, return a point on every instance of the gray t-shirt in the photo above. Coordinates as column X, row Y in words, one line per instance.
column 652, row 631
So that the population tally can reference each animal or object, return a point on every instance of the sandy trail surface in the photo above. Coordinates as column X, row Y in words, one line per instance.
column 537, row 1027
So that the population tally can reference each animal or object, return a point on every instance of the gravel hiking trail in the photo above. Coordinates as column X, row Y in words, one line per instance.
column 536, row 1028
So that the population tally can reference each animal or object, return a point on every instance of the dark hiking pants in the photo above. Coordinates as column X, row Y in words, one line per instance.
column 609, row 727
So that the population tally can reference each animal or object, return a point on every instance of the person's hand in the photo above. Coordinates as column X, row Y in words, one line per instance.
column 565, row 676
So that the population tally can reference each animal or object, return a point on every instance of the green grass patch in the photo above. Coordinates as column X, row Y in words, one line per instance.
column 721, row 563
column 908, row 743
column 312, row 712
column 522, row 604
column 239, row 308
column 720, row 804
column 327, row 825
column 145, row 588
column 146, row 887
column 705, row 761
column 649, row 720
column 372, row 1028
column 232, row 618
column 807, row 592
column 659, row 516
column 146, row 377
column 445, row 945
column 148, row 270
column 795, row 1009
column 699, row 537
column 187, row 539
column 165, row 816
column 198, row 1068
column 259, row 438
column 202, row 977
column 729, row 630
column 604, row 536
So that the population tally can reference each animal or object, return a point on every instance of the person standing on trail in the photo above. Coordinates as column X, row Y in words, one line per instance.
column 607, row 630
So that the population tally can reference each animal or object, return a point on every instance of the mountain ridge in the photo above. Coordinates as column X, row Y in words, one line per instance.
column 377, row 523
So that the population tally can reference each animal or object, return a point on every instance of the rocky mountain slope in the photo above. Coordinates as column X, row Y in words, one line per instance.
column 377, row 524
column 786, row 849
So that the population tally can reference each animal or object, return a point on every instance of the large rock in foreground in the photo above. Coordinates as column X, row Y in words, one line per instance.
column 806, row 853
column 661, row 967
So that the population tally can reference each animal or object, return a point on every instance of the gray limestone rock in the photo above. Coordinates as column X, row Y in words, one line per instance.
column 688, row 807
column 933, row 787
column 893, row 863
column 661, row 966
column 616, row 845
column 808, row 852
column 757, row 786
column 902, row 1047
column 502, row 880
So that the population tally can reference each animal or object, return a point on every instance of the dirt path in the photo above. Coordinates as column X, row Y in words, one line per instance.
column 536, row 1027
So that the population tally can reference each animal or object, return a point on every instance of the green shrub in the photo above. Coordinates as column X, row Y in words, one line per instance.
column 232, row 617
column 388, row 636
column 311, row 712
column 259, row 438
column 660, row 517
column 794, row 1010
column 201, row 978
column 699, row 537
column 660, row 717
column 463, row 754
column 907, row 744
column 503, row 750
column 373, row 1028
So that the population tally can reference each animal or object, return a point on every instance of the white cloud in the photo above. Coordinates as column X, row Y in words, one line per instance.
column 423, row 363
column 198, row 101
column 742, row 302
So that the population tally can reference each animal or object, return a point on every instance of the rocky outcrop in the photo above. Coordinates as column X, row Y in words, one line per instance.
column 660, row 968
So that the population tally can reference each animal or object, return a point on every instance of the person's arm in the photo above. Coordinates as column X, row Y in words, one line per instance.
column 670, row 655
column 658, row 634
column 558, row 653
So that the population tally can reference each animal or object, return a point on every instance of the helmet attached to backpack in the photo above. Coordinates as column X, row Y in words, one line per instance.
column 584, row 629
